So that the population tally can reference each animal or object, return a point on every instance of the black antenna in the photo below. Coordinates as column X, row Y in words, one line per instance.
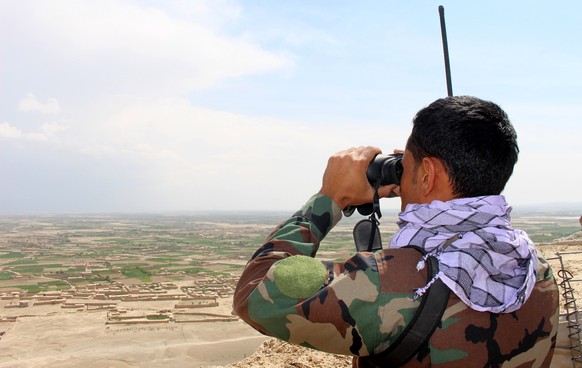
column 446, row 51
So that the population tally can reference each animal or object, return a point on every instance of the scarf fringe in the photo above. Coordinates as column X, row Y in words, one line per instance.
column 418, row 292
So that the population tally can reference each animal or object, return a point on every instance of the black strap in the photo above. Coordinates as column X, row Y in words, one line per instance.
column 376, row 203
column 373, row 232
column 423, row 324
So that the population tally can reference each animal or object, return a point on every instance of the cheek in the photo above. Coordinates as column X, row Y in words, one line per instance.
column 404, row 191
column 406, row 181
column 404, row 200
column 407, row 188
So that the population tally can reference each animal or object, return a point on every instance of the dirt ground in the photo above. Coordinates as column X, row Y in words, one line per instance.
column 48, row 336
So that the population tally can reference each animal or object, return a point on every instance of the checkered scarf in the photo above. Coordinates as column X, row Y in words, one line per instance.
column 490, row 266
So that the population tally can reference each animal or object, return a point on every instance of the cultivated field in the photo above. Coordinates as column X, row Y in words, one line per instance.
column 156, row 291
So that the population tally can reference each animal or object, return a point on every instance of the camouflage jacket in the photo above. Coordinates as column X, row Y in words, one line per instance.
column 360, row 306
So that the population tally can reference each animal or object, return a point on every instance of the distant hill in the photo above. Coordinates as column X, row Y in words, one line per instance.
column 563, row 209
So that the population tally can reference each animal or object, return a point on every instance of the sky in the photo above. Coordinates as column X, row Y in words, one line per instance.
column 218, row 105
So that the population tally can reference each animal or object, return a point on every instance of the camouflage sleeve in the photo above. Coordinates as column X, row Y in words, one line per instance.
column 338, row 307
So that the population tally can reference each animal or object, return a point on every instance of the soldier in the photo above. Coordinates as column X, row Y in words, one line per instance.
column 457, row 287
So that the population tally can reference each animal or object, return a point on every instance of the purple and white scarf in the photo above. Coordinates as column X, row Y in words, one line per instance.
column 490, row 266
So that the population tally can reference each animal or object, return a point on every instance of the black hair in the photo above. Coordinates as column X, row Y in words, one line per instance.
column 473, row 138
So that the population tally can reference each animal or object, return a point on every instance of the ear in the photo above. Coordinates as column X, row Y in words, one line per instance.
column 435, row 183
column 428, row 175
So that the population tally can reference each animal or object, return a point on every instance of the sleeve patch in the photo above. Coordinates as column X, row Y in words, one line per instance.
column 299, row 276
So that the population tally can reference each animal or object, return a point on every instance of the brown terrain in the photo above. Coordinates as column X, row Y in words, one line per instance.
column 105, row 316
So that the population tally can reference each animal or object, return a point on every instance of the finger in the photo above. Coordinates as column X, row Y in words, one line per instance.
column 369, row 152
column 395, row 192
column 388, row 191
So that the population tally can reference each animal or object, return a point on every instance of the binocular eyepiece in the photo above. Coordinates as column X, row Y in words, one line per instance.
column 383, row 170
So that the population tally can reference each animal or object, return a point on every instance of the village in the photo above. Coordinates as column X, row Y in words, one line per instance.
column 129, row 272
column 109, row 319
column 115, row 298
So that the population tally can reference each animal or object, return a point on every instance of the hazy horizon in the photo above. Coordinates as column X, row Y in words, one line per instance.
column 541, row 209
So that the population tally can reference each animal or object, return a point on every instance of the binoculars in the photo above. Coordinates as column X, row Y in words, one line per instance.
column 383, row 170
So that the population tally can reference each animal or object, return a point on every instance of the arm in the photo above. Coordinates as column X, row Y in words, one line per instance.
column 344, row 177
column 353, row 307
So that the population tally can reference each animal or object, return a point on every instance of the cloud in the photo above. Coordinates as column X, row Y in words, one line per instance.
column 127, row 132
column 208, row 158
column 45, row 133
column 51, row 129
column 118, row 73
column 9, row 132
column 168, row 154
column 123, row 47
column 30, row 103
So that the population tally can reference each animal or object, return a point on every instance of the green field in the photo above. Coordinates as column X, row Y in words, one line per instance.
column 60, row 250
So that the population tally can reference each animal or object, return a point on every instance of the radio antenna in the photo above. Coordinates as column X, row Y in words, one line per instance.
column 446, row 51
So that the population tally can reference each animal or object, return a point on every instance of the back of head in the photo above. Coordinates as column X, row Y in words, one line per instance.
column 473, row 138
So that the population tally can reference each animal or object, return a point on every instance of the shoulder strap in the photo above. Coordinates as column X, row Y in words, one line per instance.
column 423, row 324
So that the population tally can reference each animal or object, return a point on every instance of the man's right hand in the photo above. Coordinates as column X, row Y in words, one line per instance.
column 345, row 181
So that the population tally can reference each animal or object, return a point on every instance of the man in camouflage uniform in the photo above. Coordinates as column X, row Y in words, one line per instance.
column 503, row 308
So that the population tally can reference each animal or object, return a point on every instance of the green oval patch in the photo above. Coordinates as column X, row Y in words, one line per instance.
column 299, row 276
